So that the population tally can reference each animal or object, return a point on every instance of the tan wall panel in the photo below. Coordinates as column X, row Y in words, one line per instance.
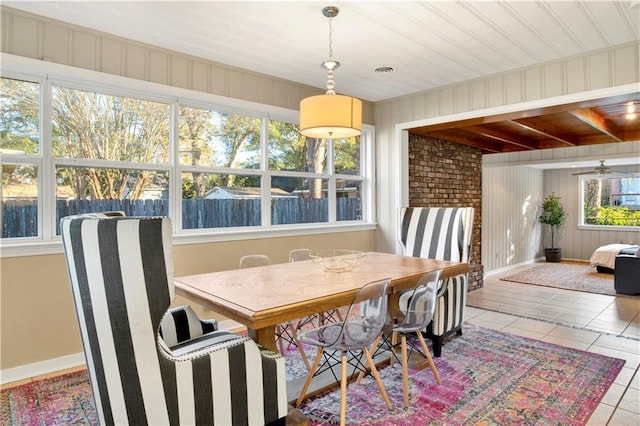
column 250, row 87
column 37, row 317
column 112, row 56
column 234, row 85
column 84, row 50
column 179, row 71
column 56, row 44
column 200, row 76
column 25, row 37
column 279, row 94
column 265, row 91
column 136, row 62
column 219, row 81
column 159, row 67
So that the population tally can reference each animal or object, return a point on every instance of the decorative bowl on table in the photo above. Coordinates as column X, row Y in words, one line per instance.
column 337, row 260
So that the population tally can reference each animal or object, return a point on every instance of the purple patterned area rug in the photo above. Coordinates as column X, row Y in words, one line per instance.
column 488, row 377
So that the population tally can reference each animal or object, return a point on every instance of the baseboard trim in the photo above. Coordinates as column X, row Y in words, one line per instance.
column 53, row 365
column 510, row 267
column 42, row 367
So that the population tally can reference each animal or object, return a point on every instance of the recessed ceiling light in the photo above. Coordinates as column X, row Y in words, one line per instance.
column 384, row 69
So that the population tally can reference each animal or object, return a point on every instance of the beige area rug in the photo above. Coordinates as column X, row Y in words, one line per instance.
column 567, row 275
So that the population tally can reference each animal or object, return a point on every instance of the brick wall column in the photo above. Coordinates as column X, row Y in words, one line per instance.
column 448, row 174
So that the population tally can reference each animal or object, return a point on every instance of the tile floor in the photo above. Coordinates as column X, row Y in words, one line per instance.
column 608, row 325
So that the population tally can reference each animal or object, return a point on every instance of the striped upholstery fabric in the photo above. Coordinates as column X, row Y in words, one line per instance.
column 182, row 324
column 121, row 272
column 442, row 233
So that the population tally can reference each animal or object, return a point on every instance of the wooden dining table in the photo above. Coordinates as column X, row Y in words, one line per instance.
column 264, row 296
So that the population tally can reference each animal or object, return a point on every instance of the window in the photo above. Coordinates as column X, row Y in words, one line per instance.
column 19, row 150
column 70, row 148
column 611, row 201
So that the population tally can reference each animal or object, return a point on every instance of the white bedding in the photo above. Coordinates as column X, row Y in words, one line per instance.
column 606, row 255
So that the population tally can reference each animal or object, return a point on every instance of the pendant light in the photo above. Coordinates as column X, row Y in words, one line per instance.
column 330, row 115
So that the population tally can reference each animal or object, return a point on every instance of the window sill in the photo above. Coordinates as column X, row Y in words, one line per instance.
column 39, row 248
column 609, row 228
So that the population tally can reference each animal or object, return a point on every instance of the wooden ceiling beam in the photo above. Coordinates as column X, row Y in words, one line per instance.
column 502, row 137
column 598, row 122
column 544, row 129
column 536, row 112
column 484, row 145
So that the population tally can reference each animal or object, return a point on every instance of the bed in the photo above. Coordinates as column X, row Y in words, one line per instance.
column 604, row 258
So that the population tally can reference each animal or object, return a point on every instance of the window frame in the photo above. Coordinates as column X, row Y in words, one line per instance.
column 585, row 226
column 49, row 74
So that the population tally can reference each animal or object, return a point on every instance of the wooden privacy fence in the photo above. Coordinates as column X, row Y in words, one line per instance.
column 20, row 217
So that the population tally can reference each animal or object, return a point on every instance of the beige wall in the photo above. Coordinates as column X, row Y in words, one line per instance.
column 37, row 317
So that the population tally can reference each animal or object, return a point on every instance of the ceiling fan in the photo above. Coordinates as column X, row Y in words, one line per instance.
column 604, row 170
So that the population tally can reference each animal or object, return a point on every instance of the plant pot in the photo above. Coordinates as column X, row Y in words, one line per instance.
column 553, row 255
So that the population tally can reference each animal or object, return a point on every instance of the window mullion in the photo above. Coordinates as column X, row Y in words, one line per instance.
column 265, row 181
column 331, row 188
column 47, row 170
column 175, row 172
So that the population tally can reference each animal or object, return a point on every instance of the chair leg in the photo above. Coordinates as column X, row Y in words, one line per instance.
column 432, row 365
column 376, row 376
column 405, row 370
column 312, row 371
column 394, row 342
column 303, row 355
column 343, row 390
column 374, row 347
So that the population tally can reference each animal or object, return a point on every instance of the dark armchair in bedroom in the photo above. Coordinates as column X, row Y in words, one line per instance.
column 626, row 275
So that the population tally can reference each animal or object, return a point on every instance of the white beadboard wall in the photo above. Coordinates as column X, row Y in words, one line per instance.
column 510, row 229
column 581, row 243
column 593, row 75
column 511, row 233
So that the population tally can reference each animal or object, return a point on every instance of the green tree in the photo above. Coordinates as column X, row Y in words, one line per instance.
column 195, row 134
column 238, row 134
column 96, row 126
column 19, row 112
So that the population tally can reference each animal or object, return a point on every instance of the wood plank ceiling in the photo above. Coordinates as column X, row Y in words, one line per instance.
column 599, row 121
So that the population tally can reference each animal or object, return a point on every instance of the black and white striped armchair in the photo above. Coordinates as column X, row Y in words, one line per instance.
column 148, row 365
column 442, row 233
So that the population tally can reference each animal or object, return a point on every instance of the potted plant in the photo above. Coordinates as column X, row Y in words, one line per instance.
column 553, row 214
